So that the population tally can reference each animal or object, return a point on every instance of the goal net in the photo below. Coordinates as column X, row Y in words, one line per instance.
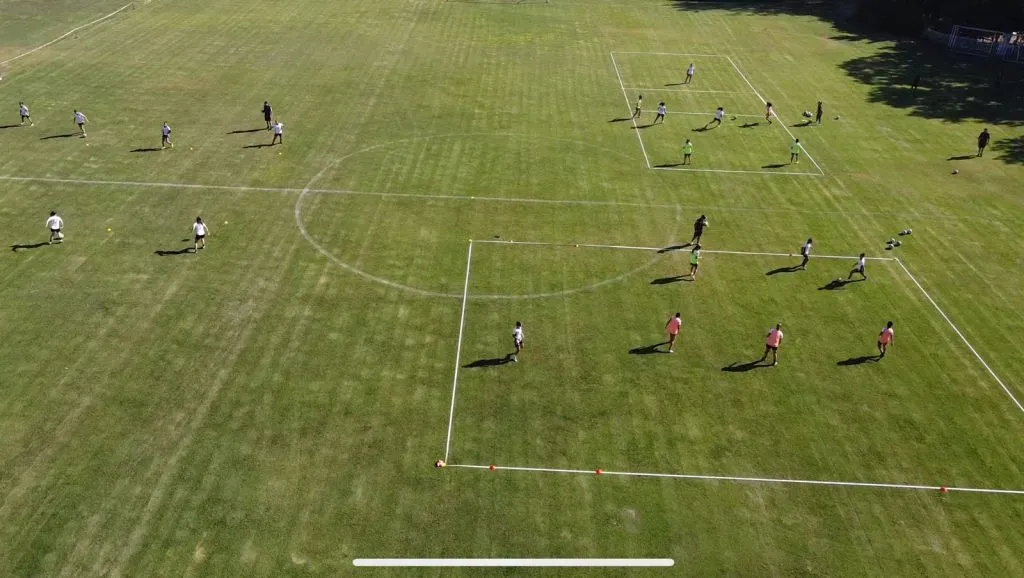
column 988, row 43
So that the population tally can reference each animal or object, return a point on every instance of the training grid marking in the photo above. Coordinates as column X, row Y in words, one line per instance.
column 706, row 477
column 663, row 167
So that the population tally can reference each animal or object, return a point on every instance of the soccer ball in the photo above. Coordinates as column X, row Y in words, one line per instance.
column 60, row 235
column 956, row 171
column 439, row 464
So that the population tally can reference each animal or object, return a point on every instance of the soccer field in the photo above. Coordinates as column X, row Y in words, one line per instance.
column 274, row 404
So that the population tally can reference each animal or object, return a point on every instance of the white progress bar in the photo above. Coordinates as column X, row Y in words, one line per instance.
column 514, row 562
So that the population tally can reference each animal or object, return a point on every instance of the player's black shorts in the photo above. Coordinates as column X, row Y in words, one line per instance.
column 266, row 116
column 80, row 124
column 661, row 116
column 772, row 347
column 54, row 231
column 200, row 237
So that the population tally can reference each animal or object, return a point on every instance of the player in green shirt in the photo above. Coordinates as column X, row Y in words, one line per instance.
column 694, row 262
column 794, row 151
column 687, row 151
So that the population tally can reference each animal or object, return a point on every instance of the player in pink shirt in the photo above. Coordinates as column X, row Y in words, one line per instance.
column 885, row 339
column 772, row 343
column 672, row 328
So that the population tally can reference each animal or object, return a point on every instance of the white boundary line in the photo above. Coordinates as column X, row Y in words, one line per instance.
column 66, row 34
column 711, row 112
column 514, row 562
column 684, row 90
column 783, row 123
column 629, row 110
column 458, row 351
column 961, row 336
column 746, row 479
column 674, row 54
column 643, row 248
column 733, row 171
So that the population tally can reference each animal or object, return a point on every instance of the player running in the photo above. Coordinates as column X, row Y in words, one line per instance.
column 819, row 113
column 165, row 136
column 55, row 224
column 518, row 340
column 805, row 252
column 689, row 74
column 672, row 328
column 639, row 106
column 25, row 116
column 80, row 120
column 694, row 261
column 983, row 141
column 698, row 229
column 885, row 339
column 687, row 152
column 278, row 137
column 769, row 112
column 859, row 267
column 794, row 152
column 268, row 113
column 661, row 113
column 201, row 230
column 771, row 343
column 717, row 121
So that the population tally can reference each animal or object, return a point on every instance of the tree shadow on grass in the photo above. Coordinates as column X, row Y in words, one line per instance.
column 489, row 362
column 858, row 360
column 1010, row 150
column 17, row 248
column 737, row 367
column 648, row 349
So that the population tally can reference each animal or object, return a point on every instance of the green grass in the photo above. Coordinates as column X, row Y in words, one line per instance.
column 268, row 407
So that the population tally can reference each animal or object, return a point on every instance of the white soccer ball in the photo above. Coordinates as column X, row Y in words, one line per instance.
column 60, row 235
column 956, row 171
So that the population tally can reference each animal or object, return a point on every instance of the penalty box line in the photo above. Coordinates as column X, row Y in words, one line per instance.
column 746, row 479
column 672, row 249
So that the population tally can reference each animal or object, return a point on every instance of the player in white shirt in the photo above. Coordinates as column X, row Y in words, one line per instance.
column 805, row 252
column 517, row 340
column 201, row 230
column 80, row 120
column 23, row 111
column 661, row 113
column 55, row 224
column 689, row 74
column 639, row 106
column 278, row 127
column 859, row 267
column 719, row 115
column 165, row 136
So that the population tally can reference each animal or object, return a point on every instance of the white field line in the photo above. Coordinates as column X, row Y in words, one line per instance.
column 458, row 351
column 962, row 338
column 629, row 109
column 643, row 248
column 514, row 562
column 641, row 90
column 711, row 112
column 786, row 128
column 748, row 479
column 66, row 34
column 674, row 54
column 735, row 172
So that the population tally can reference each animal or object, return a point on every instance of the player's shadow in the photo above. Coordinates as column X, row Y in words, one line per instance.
column 648, row 349
column 623, row 119
column 750, row 124
column 68, row 135
column 11, row 126
column 246, row 131
column 807, row 122
column 489, row 362
column 791, row 269
column 706, row 128
column 668, row 165
column 17, row 248
column 670, row 280
column 146, row 150
column 737, row 367
column 677, row 84
column 838, row 284
column 643, row 126
column 858, row 360
column 166, row 253
column 257, row 146
column 775, row 166
column 674, row 248
column 962, row 157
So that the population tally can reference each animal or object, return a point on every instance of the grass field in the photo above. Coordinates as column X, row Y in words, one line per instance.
column 274, row 404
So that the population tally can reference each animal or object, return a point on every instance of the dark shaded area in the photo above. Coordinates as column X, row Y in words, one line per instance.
column 489, row 362
column 166, row 253
column 643, row 126
column 775, row 166
column 247, row 131
column 858, row 360
column 623, row 119
column 11, row 126
column 70, row 134
column 670, row 280
column 648, row 349
column 838, row 284
column 674, row 248
column 792, row 269
column 953, row 87
column 17, row 248
column 149, row 150
column 737, row 367
column 750, row 124
column 962, row 158
column 257, row 146
column 667, row 166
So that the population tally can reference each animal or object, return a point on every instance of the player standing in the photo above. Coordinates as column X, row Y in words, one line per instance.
column 268, row 113
column 672, row 328
column 983, row 141
column 661, row 113
column 698, row 229
column 278, row 133
column 23, row 111
column 818, row 113
column 805, row 252
column 885, row 339
column 687, row 151
column 80, row 120
column 719, row 115
column 769, row 112
column 55, row 224
column 518, row 340
column 859, row 267
column 165, row 136
column 794, row 152
column 772, row 342
column 639, row 106
column 694, row 261
column 689, row 74
column 201, row 230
